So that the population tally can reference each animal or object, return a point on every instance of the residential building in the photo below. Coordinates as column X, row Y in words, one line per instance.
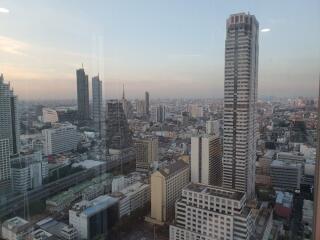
column 146, row 153
column 166, row 186
column 206, row 165
column 240, row 98
column 9, row 124
column 15, row 228
column 94, row 218
column 49, row 115
column 161, row 114
column 209, row 212
column 60, row 138
column 213, row 127
column 82, row 95
column 285, row 175
column 97, row 113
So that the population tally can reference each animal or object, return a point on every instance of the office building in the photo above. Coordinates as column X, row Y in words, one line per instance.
column 208, row 212
column 28, row 171
column 195, row 110
column 15, row 228
column 286, row 175
column 97, row 107
column 82, row 94
column 9, row 124
column 316, row 215
column 206, row 164
column 147, row 101
column 60, row 138
column 166, row 186
column 240, row 97
column 127, row 106
column 146, row 153
column 290, row 157
column 118, row 135
column 160, row 114
column 140, row 107
column 5, row 172
column 94, row 218
column 49, row 115
column 213, row 127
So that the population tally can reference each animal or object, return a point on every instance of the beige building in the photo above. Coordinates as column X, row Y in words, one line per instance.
column 166, row 187
column 146, row 153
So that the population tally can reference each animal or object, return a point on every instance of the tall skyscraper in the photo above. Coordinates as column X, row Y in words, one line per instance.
column 5, row 173
column 146, row 99
column 316, row 201
column 97, row 104
column 206, row 166
column 240, row 97
column 9, row 120
column 82, row 94
column 118, row 135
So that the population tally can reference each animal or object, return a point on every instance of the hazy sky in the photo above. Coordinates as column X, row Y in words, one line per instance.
column 171, row 48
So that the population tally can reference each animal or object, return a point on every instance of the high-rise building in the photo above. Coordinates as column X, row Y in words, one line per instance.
column 82, row 94
column 158, row 113
column 207, row 212
column 118, row 135
column 316, row 202
column 97, row 104
column 240, row 97
column 49, row 115
column 195, row 111
column 206, row 165
column 60, row 138
column 166, row 186
column 146, row 153
column 9, row 120
column 147, row 101
column 213, row 127
column 141, row 107
column 5, row 173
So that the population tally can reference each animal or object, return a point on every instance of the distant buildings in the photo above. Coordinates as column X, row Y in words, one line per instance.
column 240, row 98
column 49, row 115
column 207, row 212
column 159, row 114
column 147, row 101
column 166, row 186
column 118, row 135
column 213, row 127
column 97, row 105
column 94, row 218
column 195, row 111
column 146, row 153
column 206, row 165
column 140, row 107
column 82, row 95
column 60, row 138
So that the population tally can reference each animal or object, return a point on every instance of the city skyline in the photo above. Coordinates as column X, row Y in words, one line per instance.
column 137, row 45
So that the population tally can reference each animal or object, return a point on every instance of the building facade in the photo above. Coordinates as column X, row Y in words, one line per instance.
column 240, row 97
column 147, row 101
column 146, row 153
column 213, row 127
column 206, row 164
column 82, row 95
column 206, row 212
column 97, row 105
column 5, row 171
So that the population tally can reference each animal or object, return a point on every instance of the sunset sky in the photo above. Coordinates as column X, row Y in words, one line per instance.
column 172, row 48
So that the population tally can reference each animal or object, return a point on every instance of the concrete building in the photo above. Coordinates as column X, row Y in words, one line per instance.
column 57, row 229
column 28, row 171
column 146, row 153
column 290, row 157
column 284, row 203
column 208, row 212
column 213, row 127
column 285, row 175
column 60, row 138
column 82, row 94
column 49, row 115
column 195, row 111
column 158, row 113
column 97, row 105
column 140, row 107
column 166, row 186
column 15, row 228
column 94, row 218
column 240, row 98
column 9, row 124
column 5, row 172
column 206, row 165
column 147, row 101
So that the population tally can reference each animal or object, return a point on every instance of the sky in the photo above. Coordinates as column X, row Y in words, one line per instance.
column 171, row 48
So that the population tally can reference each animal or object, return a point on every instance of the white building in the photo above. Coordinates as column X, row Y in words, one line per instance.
column 60, row 138
column 15, row 228
column 206, row 165
column 206, row 212
column 213, row 127
column 240, row 97
column 49, row 115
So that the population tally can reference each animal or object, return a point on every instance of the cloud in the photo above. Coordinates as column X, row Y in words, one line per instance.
column 4, row 10
column 12, row 46
column 265, row 30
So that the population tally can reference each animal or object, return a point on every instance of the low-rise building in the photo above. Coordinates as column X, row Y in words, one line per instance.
column 283, row 206
column 15, row 228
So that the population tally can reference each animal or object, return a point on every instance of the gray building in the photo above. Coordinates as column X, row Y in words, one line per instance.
column 161, row 114
column 147, row 102
column 82, row 94
column 240, row 97
column 97, row 104
column 5, row 173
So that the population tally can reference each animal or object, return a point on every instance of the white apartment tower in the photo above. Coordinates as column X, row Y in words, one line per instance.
column 97, row 104
column 206, row 166
column 240, row 97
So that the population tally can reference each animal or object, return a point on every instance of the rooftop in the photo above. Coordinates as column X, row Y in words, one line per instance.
column 173, row 168
column 15, row 224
